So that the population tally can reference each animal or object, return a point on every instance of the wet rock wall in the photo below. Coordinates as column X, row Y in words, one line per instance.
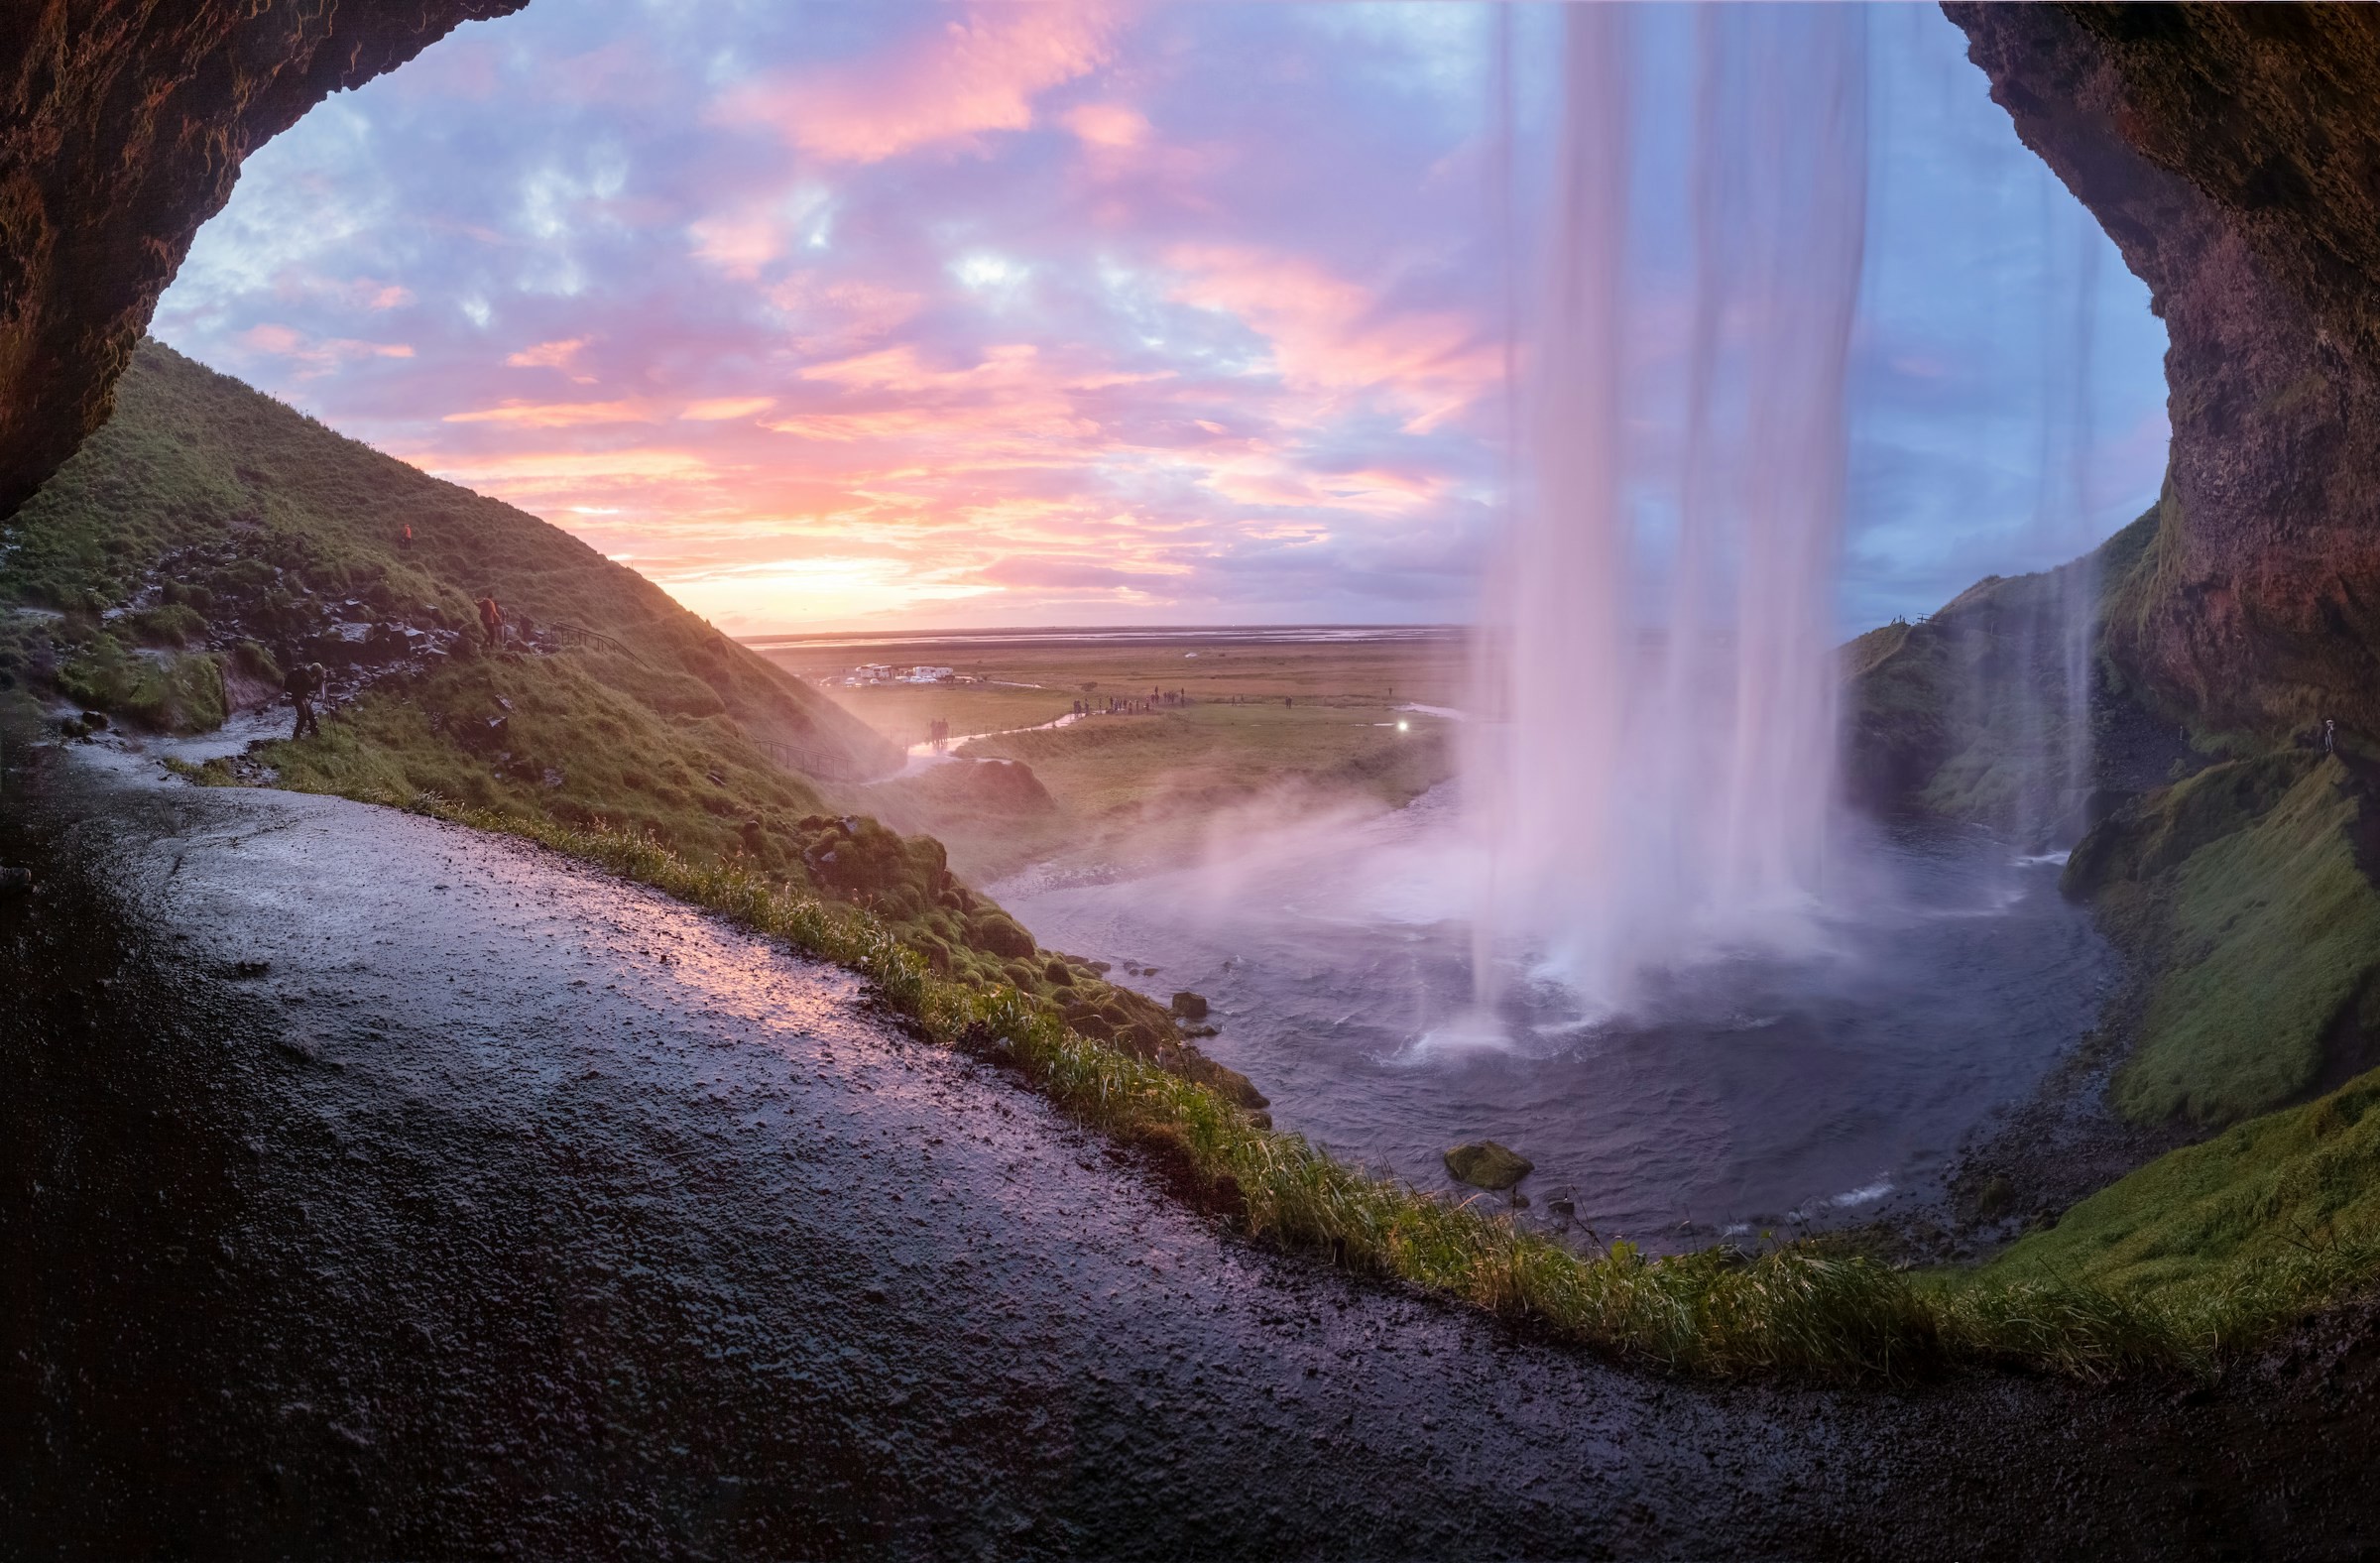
column 123, row 124
column 2234, row 155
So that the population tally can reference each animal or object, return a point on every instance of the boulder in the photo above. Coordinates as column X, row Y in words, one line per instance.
column 1189, row 1005
column 1001, row 934
column 1483, row 1164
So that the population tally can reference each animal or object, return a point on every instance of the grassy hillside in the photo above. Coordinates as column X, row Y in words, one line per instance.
column 2239, row 894
column 2293, row 1185
column 2235, row 885
column 1962, row 714
column 202, row 501
column 209, row 536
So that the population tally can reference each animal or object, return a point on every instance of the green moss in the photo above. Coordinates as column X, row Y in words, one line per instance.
column 2297, row 1190
column 1487, row 1164
column 2274, row 929
column 163, row 691
column 2159, row 833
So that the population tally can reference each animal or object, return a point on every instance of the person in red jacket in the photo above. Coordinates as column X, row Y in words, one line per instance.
column 491, row 621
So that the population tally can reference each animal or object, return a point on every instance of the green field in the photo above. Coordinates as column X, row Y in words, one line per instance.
column 1285, row 726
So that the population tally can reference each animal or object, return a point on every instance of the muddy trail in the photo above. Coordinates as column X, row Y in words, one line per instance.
column 371, row 1187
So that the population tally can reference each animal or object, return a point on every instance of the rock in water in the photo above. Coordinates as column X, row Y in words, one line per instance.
column 1189, row 1005
column 1485, row 1164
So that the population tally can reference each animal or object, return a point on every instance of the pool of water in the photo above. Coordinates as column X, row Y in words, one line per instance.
column 1729, row 1095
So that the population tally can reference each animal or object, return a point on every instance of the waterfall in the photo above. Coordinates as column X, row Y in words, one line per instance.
column 2026, row 647
column 1654, row 778
column 2070, row 512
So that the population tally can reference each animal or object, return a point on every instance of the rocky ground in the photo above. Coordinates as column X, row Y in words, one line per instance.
column 373, row 1186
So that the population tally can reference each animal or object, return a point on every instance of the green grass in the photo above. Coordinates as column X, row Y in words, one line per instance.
column 2211, row 1247
column 237, row 498
column 1162, row 787
column 2239, row 894
column 574, row 748
column 1797, row 1309
column 1286, row 728
column 2275, row 931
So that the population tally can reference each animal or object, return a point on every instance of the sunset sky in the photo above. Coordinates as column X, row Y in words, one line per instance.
column 832, row 316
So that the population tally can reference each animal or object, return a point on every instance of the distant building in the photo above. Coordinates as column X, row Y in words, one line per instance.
column 924, row 674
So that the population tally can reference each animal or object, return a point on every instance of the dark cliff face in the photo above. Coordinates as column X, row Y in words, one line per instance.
column 123, row 124
column 2234, row 155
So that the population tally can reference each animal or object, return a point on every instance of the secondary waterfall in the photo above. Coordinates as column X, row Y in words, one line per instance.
column 1655, row 773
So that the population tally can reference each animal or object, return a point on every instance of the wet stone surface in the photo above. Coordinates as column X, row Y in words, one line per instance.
column 370, row 1186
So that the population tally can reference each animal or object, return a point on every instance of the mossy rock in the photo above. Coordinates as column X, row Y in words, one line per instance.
column 1190, row 1006
column 1000, row 933
column 1484, row 1164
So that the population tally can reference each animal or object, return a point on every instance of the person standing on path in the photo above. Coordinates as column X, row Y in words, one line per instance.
column 491, row 621
column 2330, row 735
column 303, row 684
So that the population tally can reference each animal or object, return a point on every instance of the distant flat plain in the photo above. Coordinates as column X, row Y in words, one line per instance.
column 1278, row 719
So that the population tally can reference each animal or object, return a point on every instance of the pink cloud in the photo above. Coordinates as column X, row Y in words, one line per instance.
column 553, row 414
column 1077, row 574
column 319, row 355
column 738, row 244
column 977, row 75
column 841, row 315
column 547, row 355
column 722, row 410
column 1330, row 334
column 1108, row 124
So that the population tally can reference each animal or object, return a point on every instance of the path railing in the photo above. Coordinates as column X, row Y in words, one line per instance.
column 577, row 637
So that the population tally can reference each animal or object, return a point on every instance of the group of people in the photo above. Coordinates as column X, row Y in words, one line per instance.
column 304, row 683
column 1127, row 705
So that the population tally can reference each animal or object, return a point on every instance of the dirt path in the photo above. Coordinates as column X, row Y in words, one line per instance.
column 369, row 1187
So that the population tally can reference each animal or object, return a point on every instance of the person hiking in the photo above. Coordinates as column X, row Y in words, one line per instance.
column 2330, row 735
column 405, row 538
column 491, row 621
column 303, row 684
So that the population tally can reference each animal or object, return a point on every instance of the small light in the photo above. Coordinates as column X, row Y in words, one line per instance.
column 1405, row 727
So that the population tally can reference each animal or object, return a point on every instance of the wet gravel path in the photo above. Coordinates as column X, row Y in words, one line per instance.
column 368, row 1186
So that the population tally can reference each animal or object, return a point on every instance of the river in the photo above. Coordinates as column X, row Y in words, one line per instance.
column 1755, row 1092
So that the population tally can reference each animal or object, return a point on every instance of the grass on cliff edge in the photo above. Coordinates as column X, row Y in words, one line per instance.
column 2235, row 1233
column 2239, row 890
column 1807, row 1309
